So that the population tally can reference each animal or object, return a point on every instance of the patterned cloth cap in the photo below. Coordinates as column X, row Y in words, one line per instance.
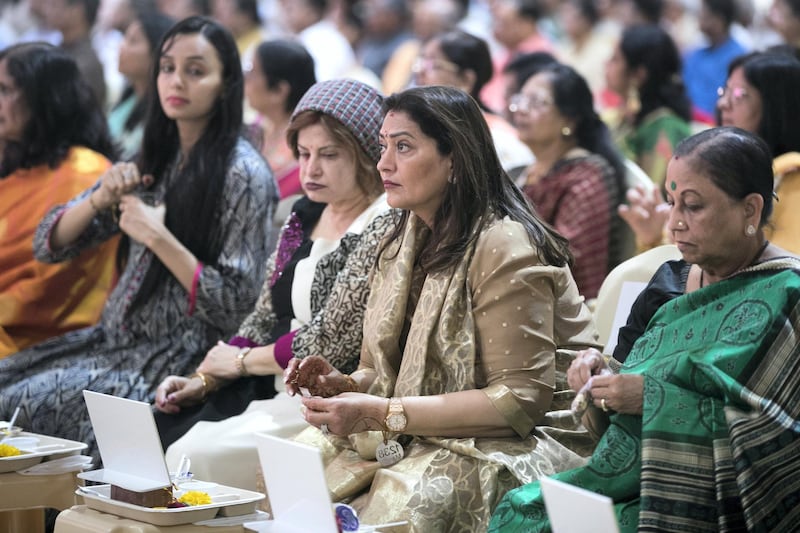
column 356, row 105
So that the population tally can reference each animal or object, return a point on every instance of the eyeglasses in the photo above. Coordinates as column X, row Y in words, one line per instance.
column 736, row 94
column 426, row 64
column 525, row 103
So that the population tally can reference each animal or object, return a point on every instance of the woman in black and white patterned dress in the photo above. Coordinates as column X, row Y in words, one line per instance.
column 193, row 214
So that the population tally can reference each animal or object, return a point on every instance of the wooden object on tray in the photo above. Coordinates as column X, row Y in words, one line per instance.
column 152, row 498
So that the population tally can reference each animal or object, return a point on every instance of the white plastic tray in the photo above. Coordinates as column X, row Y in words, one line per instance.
column 226, row 501
column 44, row 449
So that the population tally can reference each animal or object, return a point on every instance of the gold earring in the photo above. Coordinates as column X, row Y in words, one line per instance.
column 632, row 103
column 565, row 131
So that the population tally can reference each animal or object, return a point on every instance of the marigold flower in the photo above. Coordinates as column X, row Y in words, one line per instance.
column 195, row 497
column 6, row 450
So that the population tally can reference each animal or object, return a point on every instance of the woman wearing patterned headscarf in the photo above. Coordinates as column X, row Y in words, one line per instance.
column 314, row 296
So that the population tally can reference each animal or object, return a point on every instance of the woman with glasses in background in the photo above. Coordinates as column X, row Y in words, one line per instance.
column 760, row 96
column 576, row 182
column 458, row 59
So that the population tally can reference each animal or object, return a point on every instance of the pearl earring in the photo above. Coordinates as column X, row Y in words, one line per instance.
column 565, row 131
column 750, row 230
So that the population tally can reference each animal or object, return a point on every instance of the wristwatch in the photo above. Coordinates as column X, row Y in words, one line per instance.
column 240, row 361
column 396, row 419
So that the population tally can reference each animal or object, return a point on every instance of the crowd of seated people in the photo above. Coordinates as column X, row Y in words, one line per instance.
column 191, row 218
column 430, row 276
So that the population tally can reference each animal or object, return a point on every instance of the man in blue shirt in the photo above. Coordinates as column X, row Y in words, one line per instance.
column 706, row 68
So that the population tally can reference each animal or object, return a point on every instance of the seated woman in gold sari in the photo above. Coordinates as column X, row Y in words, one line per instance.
column 701, row 424
column 471, row 298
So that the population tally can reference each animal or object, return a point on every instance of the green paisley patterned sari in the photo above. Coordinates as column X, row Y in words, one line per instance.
column 717, row 447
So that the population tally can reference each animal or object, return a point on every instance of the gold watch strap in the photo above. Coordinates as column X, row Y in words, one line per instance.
column 240, row 361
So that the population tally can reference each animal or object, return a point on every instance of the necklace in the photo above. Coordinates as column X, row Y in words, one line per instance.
column 758, row 254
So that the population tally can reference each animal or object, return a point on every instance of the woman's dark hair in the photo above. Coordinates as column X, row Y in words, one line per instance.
column 90, row 9
column 573, row 99
column 529, row 9
column 249, row 8
column 192, row 196
column 468, row 52
column 649, row 10
column 289, row 61
column 525, row 66
column 588, row 10
column 652, row 48
column 776, row 76
column 737, row 161
column 154, row 26
column 62, row 107
column 724, row 9
column 481, row 189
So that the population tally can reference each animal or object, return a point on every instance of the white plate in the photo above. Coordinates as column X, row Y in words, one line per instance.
column 46, row 448
column 4, row 430
column 226, row 501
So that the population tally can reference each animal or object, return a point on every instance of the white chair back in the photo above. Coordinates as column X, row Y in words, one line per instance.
column 638, row 268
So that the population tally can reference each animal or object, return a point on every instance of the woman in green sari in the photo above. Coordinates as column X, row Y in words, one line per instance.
column 701, row 418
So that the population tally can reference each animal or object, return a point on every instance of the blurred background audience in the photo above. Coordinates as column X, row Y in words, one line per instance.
column 279, row 74
column 577, row 180
column 654, row 112
column 126, row 118
column 458, row 59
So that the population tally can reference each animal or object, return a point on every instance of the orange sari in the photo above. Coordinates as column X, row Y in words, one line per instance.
column 37, row 300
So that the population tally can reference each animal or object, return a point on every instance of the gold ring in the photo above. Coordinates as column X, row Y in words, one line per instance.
column 603, row 405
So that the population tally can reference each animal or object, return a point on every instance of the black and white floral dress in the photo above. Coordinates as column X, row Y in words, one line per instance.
column 314, row 296
column 312, row 302
column 131, row 350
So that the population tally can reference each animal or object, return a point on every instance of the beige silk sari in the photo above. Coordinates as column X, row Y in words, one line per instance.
column 495, row 323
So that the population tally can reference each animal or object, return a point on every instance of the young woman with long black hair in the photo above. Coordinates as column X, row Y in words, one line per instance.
column 194, row 213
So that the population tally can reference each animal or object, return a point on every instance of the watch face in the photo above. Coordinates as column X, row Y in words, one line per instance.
column 396, row 421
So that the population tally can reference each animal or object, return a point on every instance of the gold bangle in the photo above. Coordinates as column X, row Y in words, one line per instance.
column 240, row 361
column 204, row 380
